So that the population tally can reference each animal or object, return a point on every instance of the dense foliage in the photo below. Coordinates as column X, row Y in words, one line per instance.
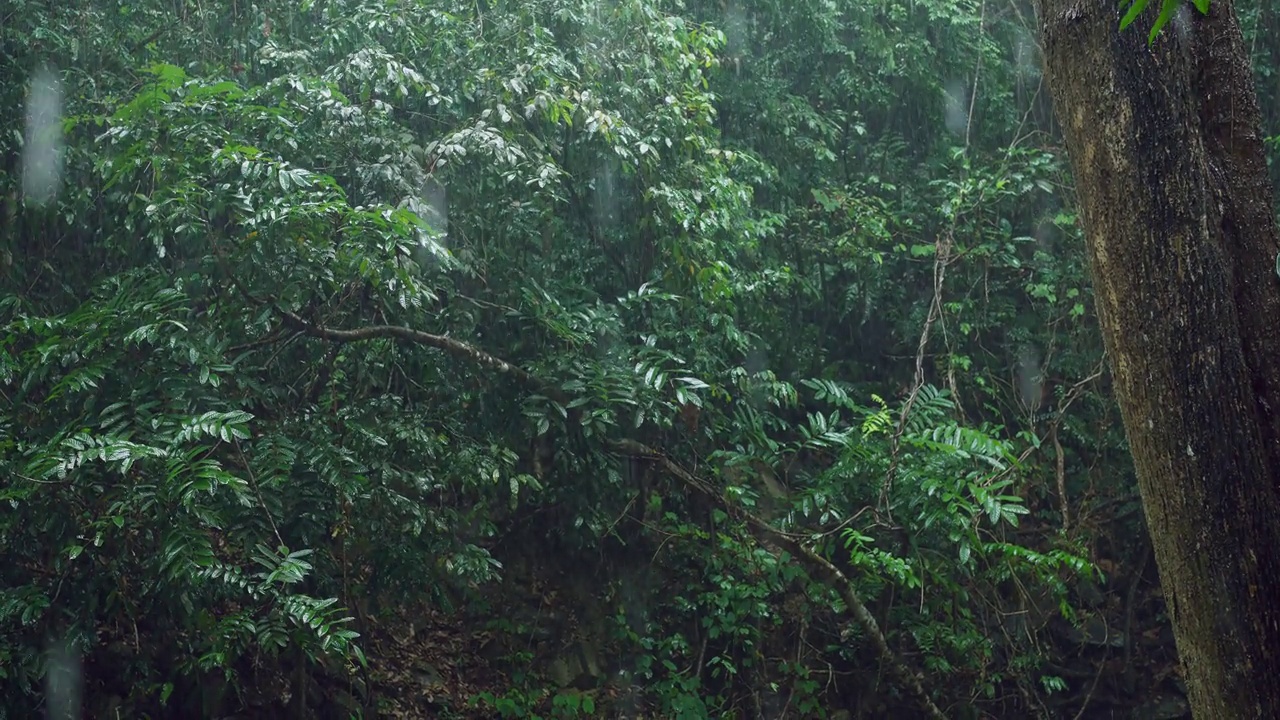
column 342, row 311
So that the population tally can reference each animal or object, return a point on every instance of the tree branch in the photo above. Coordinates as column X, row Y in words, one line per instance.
column 449, row 345
column 817, row 565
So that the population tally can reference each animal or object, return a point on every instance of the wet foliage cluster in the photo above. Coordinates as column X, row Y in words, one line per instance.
column 753, row 338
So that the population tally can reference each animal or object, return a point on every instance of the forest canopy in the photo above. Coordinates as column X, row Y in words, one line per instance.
column 560, row 359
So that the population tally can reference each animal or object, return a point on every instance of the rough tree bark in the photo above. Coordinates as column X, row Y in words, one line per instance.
column 1182, row 239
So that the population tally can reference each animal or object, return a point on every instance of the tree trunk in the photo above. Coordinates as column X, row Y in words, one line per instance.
column 1177, row 208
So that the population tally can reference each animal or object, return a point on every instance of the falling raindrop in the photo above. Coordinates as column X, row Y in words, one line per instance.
column 432, row 205
column 42, row 146
column 605, row 200
column 1026, row 56
column 1182, row 24
column 957, row 110
column 436, row 198
column 736, row 31
column 63, row 681
column 1030, row 379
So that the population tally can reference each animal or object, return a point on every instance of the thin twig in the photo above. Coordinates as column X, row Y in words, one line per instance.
column 942, row 258
column 253, row 482
column 977, row 73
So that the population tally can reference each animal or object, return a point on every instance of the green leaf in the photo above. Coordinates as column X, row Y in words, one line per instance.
column 1134, row 11
column 1166, row 14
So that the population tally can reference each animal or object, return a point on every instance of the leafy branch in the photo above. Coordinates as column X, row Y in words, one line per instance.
column 767, row 535
column 1167, row 9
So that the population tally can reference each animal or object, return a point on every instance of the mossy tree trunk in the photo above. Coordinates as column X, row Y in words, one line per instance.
column 1178, row 215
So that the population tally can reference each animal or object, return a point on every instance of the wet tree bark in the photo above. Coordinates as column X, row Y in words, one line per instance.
column 1180, row 226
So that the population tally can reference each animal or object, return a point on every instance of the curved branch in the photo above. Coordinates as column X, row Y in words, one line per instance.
column 817, row 565
column 449, row 345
